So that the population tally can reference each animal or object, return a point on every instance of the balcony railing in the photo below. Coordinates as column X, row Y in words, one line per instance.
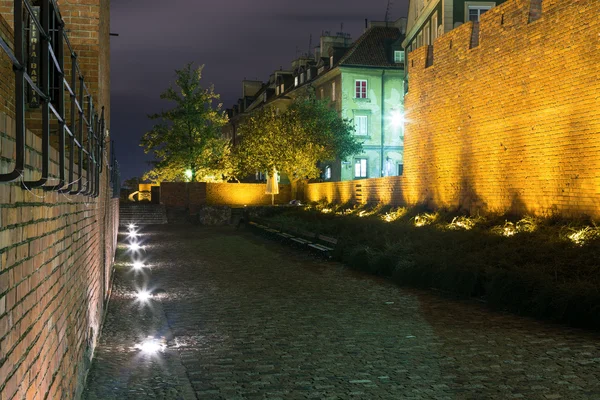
column 48, row 78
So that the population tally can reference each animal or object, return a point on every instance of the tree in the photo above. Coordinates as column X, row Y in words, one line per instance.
column 186, row 141
column 294, row 141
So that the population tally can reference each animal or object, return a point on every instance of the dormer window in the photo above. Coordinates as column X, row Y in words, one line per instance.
column 398, row 56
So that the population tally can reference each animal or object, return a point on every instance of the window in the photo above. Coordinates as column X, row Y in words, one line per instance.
column 302, row 78
column 296, row 81
column 475, row 12
column 321, row 92
column 327, row 173
column 400, row 169
column 427, row 34
column 282, row 88
column 419, row 39
column 399, row 57
column 360, row 89
column 434, row 26
column 360, row 168
column 331, row 62
column 308, row 75
column 360, row 125
column 333, row 91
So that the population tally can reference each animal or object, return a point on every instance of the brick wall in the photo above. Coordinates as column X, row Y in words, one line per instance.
column 509, row 125
column 56, row 250
column 175, row 194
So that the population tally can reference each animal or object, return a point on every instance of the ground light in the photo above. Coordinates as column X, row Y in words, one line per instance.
column 151, row 346
column 138, row 265
column 143, row 295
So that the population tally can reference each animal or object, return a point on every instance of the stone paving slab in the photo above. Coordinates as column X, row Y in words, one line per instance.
column 250, row 319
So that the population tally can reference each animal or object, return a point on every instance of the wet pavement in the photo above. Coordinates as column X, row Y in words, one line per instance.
column 242, row 317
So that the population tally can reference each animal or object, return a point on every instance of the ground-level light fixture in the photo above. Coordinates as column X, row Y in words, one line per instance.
column 151, row 345
column 138, row 265
column 143, row 295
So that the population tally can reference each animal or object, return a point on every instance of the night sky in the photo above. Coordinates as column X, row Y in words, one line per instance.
column 235, row 39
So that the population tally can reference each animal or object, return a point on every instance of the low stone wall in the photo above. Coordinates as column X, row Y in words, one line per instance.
column 194, row 194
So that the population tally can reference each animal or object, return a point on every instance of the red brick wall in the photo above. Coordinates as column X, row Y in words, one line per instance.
column 510, row 125
column 56, row 250
column 174, row 194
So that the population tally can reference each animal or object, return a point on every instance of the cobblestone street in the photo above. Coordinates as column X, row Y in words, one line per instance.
column 247, row 318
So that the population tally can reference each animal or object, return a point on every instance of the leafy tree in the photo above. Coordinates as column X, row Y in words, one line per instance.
column 295, row 140
column 132, row 183
column 186, row 141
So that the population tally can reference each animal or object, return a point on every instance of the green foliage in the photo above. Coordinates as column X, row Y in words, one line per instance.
column 540, row 270
column 293, row 141
column 188, row 136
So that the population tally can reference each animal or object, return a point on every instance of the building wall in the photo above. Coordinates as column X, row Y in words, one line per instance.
column 375, row 108
column 56, row 250
column 175, row 194
column 510, row 125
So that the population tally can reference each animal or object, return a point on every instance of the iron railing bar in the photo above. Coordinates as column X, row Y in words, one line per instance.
column 60, row 112
column 78, row 106
column 35, row 87
column 4, row 46
column 72, row 139
column 66, row 84
column 79, row 141
column 53, row 57
column 45, row 79
column 43, row 32
column 68, row 130
column 90, row 130
column 56, row 113
column 17, row 171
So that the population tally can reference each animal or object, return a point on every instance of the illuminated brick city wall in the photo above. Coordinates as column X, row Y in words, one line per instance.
column 512, row 124
column 56, row 250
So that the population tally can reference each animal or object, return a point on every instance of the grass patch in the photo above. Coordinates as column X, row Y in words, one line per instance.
column 547, row 268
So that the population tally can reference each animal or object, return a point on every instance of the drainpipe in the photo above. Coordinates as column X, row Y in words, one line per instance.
column 382, row 117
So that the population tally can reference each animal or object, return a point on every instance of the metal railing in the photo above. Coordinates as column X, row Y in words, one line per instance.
column 115, row 173
column 40, row 76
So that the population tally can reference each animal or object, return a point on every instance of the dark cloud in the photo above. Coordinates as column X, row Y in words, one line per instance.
column 235, row 39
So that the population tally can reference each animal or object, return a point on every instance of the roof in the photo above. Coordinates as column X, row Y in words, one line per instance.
column 373, row 48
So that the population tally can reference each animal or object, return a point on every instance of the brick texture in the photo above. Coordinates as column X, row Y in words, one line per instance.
column 175, row 194
column 509, row 125
column 56, row 250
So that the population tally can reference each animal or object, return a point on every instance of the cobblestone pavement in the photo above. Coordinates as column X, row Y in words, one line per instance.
column 246, row 318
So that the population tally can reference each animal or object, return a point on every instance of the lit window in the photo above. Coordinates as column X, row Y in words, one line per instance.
column 360, row 125
column 331, row 62
column 361, row 89
column 296, row 81
column 333, row 91
column 399, row 57
column 360, row 168
column 475, row 12
column 327, row 173
column 302, row 78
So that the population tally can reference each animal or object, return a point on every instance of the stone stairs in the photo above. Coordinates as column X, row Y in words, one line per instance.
column 143, row 214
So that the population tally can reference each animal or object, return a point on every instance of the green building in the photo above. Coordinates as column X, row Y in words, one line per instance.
column 364, row 82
